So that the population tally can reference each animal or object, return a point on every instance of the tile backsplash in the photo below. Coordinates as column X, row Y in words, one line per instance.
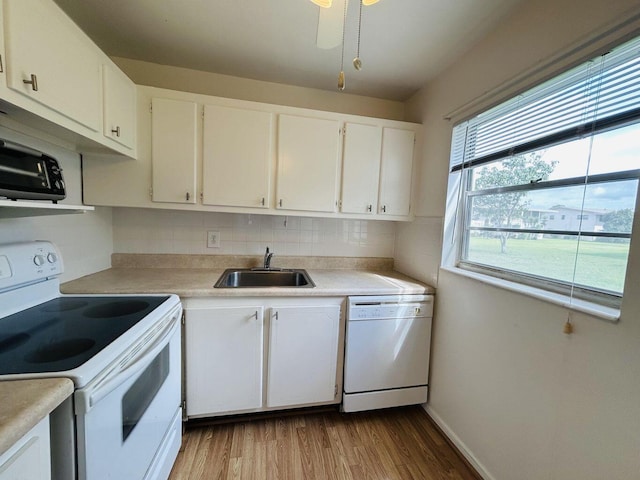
column 168, row 231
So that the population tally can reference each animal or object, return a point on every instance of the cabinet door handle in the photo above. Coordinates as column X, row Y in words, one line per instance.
column 1, row 65
column 187, row 196
column 255, row 315
column 280, row 203
column 384, row 209
column 116, row 131
column 262, row 202
column 369, row 208
column 275, row 315
column 33, row 82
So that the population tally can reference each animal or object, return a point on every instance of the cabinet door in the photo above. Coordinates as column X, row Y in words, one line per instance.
column 30, row 457
column 360, row 168
column 119, row 94
column 307, row 163
column 303, row 353
column 173, row 150
column 395, row 173
column 223, row 359
column 44, row 47
column 237, row 153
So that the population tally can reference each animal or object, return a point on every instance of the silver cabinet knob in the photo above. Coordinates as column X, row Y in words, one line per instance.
column 33, row 82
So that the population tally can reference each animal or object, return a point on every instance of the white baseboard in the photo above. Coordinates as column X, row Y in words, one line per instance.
column 460, row 445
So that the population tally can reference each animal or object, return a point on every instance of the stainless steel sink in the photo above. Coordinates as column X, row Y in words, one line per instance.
column 258, row 277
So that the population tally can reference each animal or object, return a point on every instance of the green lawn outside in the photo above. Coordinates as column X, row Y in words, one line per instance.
column 600, row 265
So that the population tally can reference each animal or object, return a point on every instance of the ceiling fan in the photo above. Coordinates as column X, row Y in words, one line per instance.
column 331, row 21
column 331, row 27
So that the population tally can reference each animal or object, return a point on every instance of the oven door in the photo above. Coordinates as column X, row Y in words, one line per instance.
column 126, row 422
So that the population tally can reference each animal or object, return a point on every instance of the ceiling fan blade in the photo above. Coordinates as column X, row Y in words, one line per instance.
column 330, row 22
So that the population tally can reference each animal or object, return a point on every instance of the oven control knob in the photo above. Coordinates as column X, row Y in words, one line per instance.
column 52, row 257
column 38, row 260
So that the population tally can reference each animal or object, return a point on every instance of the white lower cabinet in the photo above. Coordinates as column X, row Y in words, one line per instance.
column 223, row 359
column 303, row 355
column 30, row 457
column 257, row 354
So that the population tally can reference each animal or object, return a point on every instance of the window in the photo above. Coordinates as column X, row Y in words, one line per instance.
column 546, row 182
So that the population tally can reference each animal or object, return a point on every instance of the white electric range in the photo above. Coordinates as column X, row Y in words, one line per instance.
column 121, row 351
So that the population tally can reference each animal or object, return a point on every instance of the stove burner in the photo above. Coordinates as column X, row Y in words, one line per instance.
column 9, row 342
column 60, row 350
column 63, row 305
column 64, row 333
column 116, row 309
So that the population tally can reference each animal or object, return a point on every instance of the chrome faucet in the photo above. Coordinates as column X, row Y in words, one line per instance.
column 267, row 259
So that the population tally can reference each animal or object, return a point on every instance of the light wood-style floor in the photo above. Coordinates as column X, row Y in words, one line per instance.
column 389, row 444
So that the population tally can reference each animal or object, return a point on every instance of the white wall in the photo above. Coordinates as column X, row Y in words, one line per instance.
column 85, row 240
column 522, row 399
column 165, row 231
column 194, row 81
column 417, row 249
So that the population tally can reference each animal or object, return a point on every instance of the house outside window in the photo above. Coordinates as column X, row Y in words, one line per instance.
column 543, row 187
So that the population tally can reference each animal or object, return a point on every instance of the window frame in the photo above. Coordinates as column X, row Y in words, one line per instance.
column 600, row 296
column 460, row 195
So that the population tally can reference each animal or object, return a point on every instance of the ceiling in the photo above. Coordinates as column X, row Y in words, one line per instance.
column 404, row 43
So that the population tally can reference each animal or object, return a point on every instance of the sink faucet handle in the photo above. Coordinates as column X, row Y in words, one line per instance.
column 267, row 259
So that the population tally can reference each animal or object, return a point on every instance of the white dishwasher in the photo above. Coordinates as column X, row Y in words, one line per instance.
column 387, row 349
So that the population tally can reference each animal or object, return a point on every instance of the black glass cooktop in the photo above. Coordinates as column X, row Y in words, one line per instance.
column 65, row 332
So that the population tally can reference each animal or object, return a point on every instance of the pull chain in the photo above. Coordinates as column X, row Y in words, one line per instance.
column 341, row 83
column 357, row 63
column 568, row 326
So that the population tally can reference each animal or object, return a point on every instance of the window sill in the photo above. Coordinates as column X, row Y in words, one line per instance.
column 605, row 313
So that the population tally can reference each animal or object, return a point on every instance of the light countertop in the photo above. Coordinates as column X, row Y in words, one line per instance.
column 198, row 282
column 23, row 403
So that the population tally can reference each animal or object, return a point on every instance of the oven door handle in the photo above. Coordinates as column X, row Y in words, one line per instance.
column 87, row 397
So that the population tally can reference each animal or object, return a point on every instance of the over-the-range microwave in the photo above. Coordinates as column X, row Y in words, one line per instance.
column 26, row 173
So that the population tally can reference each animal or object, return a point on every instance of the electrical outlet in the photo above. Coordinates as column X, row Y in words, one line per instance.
column 213, row 239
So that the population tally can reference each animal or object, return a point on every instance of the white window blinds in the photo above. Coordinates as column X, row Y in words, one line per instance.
column 595, row 96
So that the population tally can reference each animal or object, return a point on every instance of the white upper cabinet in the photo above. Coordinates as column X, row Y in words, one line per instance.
column 173, row 150
column 52, row 62
column 119, row 107
column 217, row 154
column 308, row 163
column 396, row 171
column 237, row 157
column 360, row 168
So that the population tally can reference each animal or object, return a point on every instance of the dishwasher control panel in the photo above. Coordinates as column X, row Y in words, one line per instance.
column 396, row 306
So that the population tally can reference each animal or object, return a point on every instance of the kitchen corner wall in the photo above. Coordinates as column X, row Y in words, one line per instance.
column 418, row 246
column 520, row 398
column 165, row 231
column 84, row 240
